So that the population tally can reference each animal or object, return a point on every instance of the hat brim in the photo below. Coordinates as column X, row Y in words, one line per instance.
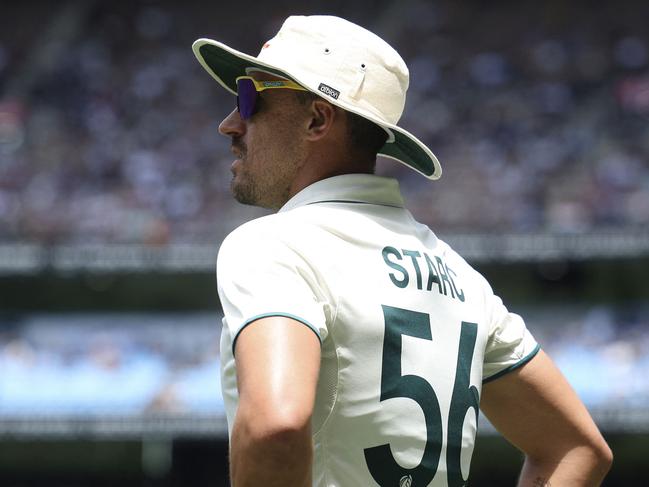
column 225, row 65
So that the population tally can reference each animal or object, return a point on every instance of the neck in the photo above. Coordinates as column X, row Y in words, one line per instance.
column 317, row 169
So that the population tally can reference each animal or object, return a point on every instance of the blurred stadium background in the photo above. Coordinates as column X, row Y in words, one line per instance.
column 114, row 199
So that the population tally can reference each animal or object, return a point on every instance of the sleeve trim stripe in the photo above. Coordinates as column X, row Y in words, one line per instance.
column 515, row 366
column 269, row 315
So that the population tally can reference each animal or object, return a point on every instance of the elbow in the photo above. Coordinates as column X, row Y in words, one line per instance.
column 281, row 428
column 265, row 444
column 603, row 456
column 595, row 457
column 280, row 432
column 587, row 460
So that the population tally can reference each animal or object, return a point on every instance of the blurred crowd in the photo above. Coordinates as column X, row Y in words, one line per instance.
column 146, row 363
column 603, row 350
column 110, row 364
column 538, row 111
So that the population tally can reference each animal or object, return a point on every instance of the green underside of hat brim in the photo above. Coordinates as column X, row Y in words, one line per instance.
column 227, row 65
column 404, row 150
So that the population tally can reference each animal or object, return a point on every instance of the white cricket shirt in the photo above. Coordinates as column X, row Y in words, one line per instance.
column 409, row 331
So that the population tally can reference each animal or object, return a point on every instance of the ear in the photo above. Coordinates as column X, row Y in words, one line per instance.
column 322, row 116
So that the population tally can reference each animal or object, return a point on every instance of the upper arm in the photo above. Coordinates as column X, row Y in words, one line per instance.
column 260, row 275
column 278, row 362
column 537, row 410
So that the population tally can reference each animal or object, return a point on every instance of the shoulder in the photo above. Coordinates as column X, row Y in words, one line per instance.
column 248, row 233
column 271, row 238
column 248, row 239
column 291, row 228
column 468, row 273
column 460, row 264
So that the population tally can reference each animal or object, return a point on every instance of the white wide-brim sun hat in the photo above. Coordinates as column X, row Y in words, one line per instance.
column 343, row 63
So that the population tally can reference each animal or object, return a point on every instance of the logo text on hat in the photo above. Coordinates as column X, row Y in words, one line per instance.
column 329, row 91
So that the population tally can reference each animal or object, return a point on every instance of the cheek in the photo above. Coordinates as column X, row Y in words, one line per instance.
column 272, row 140
column 263, row 142
column 257, row 147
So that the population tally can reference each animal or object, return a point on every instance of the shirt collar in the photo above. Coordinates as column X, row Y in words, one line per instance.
column 352, row 188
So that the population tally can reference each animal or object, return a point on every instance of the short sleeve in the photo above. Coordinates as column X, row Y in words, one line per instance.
column 260, row 275
column 510, row 344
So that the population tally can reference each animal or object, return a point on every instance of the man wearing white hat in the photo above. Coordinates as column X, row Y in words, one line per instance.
column 364, row 345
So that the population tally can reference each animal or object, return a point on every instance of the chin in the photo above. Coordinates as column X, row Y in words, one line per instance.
column 243, row 193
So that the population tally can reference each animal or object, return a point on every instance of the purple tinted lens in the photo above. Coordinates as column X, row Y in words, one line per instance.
column 246, row 98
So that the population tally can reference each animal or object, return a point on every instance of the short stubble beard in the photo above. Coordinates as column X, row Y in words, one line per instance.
column 268, row 191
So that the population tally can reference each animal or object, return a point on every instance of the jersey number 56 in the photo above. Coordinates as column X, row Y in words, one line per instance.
column 384, row 468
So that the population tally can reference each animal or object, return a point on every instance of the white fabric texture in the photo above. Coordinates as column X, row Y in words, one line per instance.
column 344, row 257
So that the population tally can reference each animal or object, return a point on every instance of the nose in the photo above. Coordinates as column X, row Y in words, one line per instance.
column 232, row 125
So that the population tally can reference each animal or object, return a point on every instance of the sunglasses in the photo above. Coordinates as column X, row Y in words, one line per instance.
column 248, row 89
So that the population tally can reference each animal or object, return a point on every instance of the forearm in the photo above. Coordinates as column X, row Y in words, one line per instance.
column 273, row 459
column 578, row 468
column 535, row 408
